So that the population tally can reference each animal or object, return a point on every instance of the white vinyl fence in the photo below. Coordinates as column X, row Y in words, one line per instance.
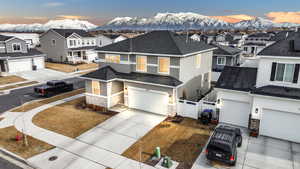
column 192, row 109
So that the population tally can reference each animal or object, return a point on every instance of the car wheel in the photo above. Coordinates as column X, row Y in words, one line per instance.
column 240, row 141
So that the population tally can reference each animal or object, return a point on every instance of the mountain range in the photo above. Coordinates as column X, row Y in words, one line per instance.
column 183, row 21
column 161, row 21
column 37, row 27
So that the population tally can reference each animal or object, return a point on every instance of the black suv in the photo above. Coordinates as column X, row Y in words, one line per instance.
column 223, row 144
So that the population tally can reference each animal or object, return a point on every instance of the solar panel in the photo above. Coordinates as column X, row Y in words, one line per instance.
column 297, row 45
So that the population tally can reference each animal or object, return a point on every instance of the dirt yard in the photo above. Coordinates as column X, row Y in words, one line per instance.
column 70, row 119
column 10, row 79
column 18, row 85
column 35, row 104
column 70, row 68
column 183, row 142
column 8, row 142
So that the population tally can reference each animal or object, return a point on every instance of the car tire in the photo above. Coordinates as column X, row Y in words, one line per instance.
column 240, row 141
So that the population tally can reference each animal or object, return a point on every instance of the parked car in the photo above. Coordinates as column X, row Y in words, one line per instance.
column 53, row 87
column 223, row 145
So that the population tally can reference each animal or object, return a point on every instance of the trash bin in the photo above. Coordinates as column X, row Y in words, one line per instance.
column 34, row 67
column 206, row 116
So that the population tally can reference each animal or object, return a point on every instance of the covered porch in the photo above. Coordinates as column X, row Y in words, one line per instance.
column 77, row 56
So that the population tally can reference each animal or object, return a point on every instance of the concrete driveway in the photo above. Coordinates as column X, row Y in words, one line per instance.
column 43, row 75
column 260, row 153
column 122, row 130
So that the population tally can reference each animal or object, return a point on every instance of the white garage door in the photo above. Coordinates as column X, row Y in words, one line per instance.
column 148, row 100
column 235, row 112
column 19, row 65
column 282, row 125
column 39, row 62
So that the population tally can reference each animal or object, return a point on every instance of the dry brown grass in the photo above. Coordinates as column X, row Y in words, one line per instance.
column 70, row 120
column 18, row 85
column 10, row 79
column 8, row 142
column 70, row 68
column 183, row 142
column 35, row 104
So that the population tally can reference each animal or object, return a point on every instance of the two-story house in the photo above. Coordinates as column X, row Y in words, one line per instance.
column 69, row 45
column 150, row 72
column 256, row 42
column 267, row 96
column 224, row 56
column 16, row 57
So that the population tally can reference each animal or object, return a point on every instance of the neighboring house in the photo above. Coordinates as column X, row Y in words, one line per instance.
column 256, row 42
column 224, row 56
column 116, row 37
column 16, row 57
column 195, row 37
column 253, row 48
column 69, row 45
column 150, row 72
column 103, row 40
column 266, row 98
column 32, row 39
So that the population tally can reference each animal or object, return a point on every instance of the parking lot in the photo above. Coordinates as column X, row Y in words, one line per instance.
column 259, row 153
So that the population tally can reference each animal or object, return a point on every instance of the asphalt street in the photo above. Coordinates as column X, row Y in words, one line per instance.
column 19, row 96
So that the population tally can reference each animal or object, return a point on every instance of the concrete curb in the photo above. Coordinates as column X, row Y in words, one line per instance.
column 11, row 84
column 16, row 157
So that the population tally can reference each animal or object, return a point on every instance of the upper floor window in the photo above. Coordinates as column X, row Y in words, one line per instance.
column 72, row 42
column 16, row 47
column 164, row 65
column 53, row 42
column 284, row 72
column 198, row 60
column 221, row 61
column 112, row 58
column 141, row 63
column 96, row 87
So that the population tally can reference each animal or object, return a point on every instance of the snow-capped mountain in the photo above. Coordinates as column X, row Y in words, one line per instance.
column 259, row 23
column 175, row 21
column 182, row 21
column 65, row 24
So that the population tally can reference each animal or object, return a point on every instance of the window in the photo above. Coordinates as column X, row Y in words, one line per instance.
column 96, row 87
column 164, row 65
column 112, row 58
column 16, row 47
column 141, row 63
column 245, row 49
column 72, row 42
column 198, row 60
column 70, row 53
column 83, row 42
column 284, row 72
column 221, row 60
column 53, row 42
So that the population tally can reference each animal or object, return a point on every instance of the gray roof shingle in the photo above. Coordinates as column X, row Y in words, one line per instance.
column 108, row 73
column 278, row 91
column 67, row 32
column 157, row 42
column 284, row 47
column 4, row 38
column 237, row 78
column 226, row 50
column 30, row 52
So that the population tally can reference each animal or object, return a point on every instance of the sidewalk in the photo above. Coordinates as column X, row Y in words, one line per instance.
column 70, row 152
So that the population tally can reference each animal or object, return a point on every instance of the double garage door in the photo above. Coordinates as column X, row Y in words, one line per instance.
column 279, row 124
column 148, row 100
column 235, row 112
column 21, row 65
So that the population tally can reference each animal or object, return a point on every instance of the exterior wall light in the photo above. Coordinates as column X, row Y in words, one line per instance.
column 256, row 110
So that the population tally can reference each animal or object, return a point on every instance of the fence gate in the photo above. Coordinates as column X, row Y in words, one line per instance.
column 188, row 109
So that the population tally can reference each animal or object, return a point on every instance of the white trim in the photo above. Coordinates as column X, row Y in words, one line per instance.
column 116, row 94
column 14, row 38
column 95, row 95
column 165, row 73
column 279, row 57
column 136, row 65
column 221, row 57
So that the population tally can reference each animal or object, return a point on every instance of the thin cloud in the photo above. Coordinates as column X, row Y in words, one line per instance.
column 53, row 4
column 71, row 17
column 280, row 17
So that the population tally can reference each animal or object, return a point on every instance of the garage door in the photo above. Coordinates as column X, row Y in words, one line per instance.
column 282, row 125
column 39, row 62
column 235, row 112
column 148, row 100
column 20, row 65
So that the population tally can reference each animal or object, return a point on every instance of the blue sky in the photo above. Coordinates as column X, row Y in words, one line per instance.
column 103, row 10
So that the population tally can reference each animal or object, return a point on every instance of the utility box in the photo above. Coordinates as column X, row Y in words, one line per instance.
column 167, row 162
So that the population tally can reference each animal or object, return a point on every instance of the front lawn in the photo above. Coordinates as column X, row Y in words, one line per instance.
column 8, row 142
column 70, row 119
column 70, row 68
column 183, row 142
column 10, row 79
column 35, row 104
